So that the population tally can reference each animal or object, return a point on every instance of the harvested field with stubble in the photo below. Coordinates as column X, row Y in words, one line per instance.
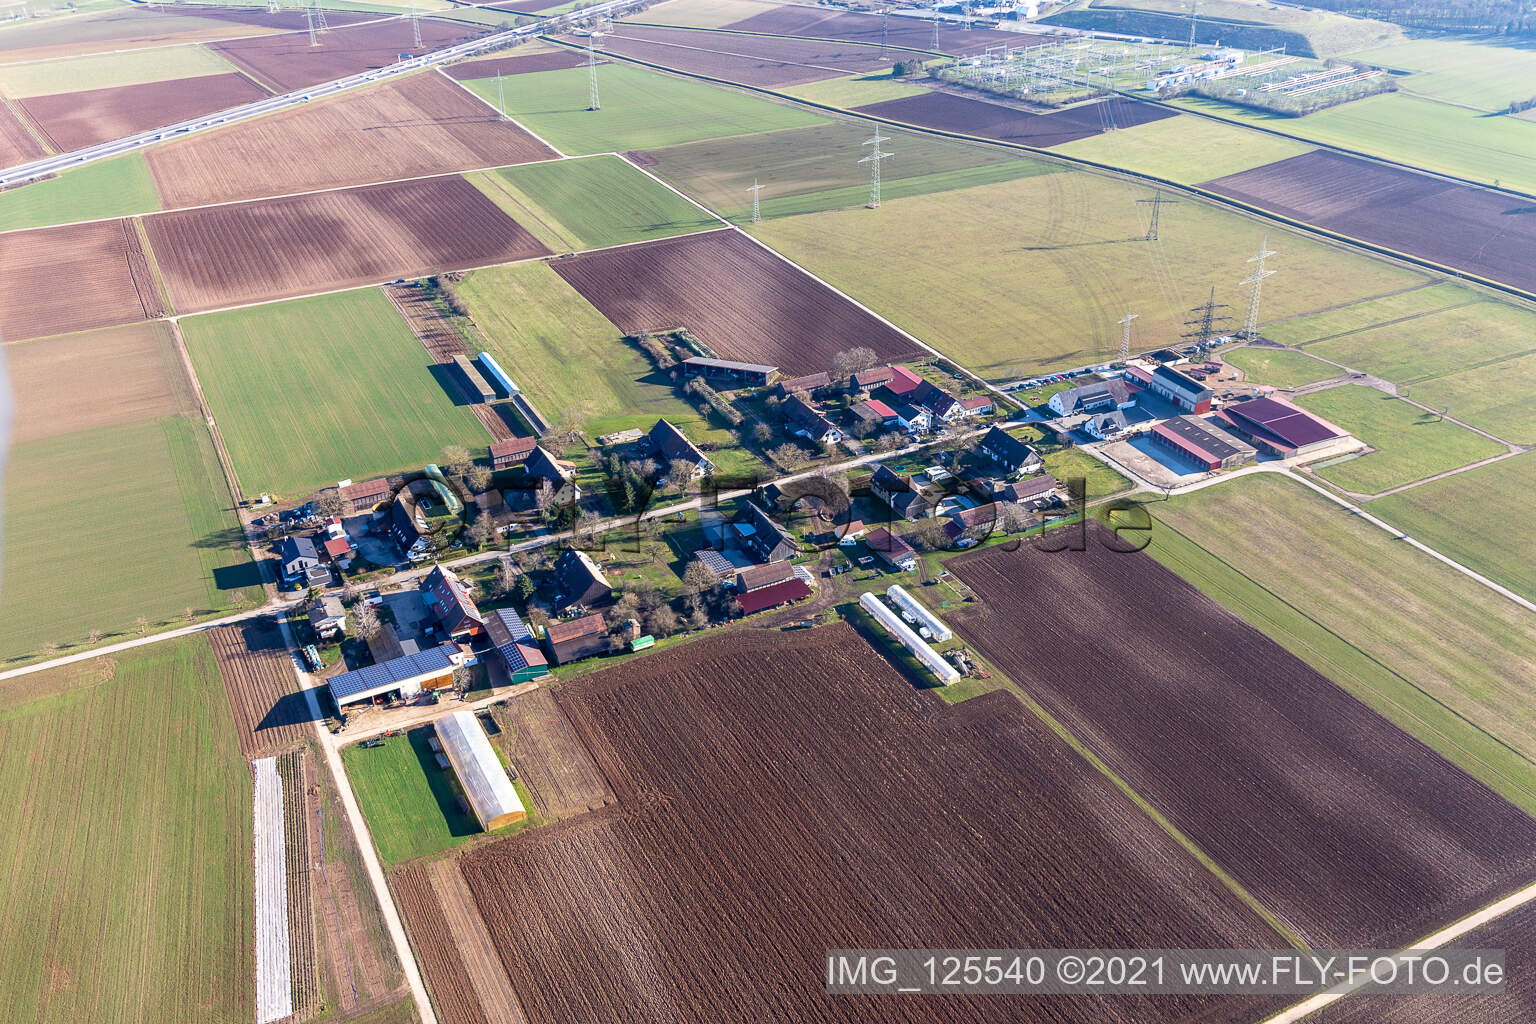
column 74, row 278
column 125, row 374
column 550, row 756
column 419, row 126
column 277, row 248
column 74, row 120
column 750, row 60
column 287, row 62
column 514, row 63
column 271, row 715
column 736, row 297
column 948, row 112
column 1471, row 229
column 693, row 900
column 17, row 145
column 817, row 22
column 1348, row 829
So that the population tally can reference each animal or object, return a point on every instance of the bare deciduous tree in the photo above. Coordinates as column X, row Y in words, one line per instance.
column 365, row 621
column 851, row 361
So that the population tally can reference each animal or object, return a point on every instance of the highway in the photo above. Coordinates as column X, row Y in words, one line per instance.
column 101, row 151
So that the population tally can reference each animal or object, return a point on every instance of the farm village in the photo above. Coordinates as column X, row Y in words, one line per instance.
column 568, row 513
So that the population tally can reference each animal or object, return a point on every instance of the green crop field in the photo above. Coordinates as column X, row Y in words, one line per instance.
column 1373, row 312
column 1283, row 368
column 705, row 13
column 593, row 202
column 640, row 109
column 1494, row 397
column 539, row 328
column 106, row 525
column 1418, row 132
column 1410, row 443
column 317, row 390
column 1184, row 148
column 855, row 90
column 1484, row 73
column 126, row 836
column 1448, row 660
column 1411, row 350
column 110, row 70
column 119, row 187
column 410, row 803
column 814, row 169
column 1481, row 518
column 1099, row 480
column 1048, row 291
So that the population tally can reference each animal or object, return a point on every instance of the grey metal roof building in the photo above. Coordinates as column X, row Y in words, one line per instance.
column 407, row 674
column 486, row 786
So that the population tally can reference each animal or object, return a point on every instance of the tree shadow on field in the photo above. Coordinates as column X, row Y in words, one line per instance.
column 441, row 782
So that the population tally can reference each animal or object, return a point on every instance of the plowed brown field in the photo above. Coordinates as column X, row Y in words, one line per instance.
column 781, row 794
column 951, row 113
column 287, row 62
column 555, row 765
column 276, row 248
column 1345, row 826
column 139, row 27
column 17, row 145
column 408, row 129
column 96, row 379
column 513, row 63
column 868, row 28
column 74, row 120
column 271, row 715
column 73, row 278
column 1472, row 229
column 739, row 299
column 750, row 60
column 453, row 997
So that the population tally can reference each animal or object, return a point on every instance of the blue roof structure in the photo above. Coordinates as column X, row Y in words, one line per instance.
column 376, row 679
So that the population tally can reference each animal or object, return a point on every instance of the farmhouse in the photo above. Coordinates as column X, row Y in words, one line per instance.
column 763, row 598
column 891, row 549
column 1095, row 396
column 511, row 452
column 763, row 538
column 403, row 677
column 895, row 490
column 807, row 385
column 579, row 581
column 560, row 475
column 757, row 577
column 487, row 789
column 731, row 374
column 1277, row 427
column 492, row 505
column 1009, row 452
column 300, row 561
column 364, row 497
column 1034, row 492
column 327, row 617
column 866, row 380
column 407, row 530
column 671, row 445
column 447, row 597
column 515, row 644
column 1207, row 446
column 338, row 551
column 577, row 638
column 914, row 419
column 976, row 405
column 805, row 420
column 1180, row 389
column 975, row 523
column 1106, row 426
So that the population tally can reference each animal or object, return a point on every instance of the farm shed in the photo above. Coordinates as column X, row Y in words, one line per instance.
column 793, row 589
column 865, row 380
column 729, row 372
column 1206, row 446
column 1180, row 389
column 508, row 453
column 891, row 549
column 479, row 771
column 476, row 387
column 514, row 641
column 366, row 496
column 407, row 676
column 902, row 382
column 757, row 577
column 497, row 375
column 715, row 562
column 576, row 639
column 807, row 385
column 1277, row 427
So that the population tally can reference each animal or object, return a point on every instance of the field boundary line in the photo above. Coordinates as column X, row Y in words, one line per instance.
column 1050, row 156
column 33, row 130
column 1435, row 940
column 841, row 72
column 154, row 264
column 440, row 69
column 1393, row 322
column 681, row 195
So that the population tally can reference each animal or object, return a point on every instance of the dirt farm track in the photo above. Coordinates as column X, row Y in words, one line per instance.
column 1348, row 829
column 740, row 300
column 72, row 278
column 250, row 252
column 406, row 129
column 782, row 793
